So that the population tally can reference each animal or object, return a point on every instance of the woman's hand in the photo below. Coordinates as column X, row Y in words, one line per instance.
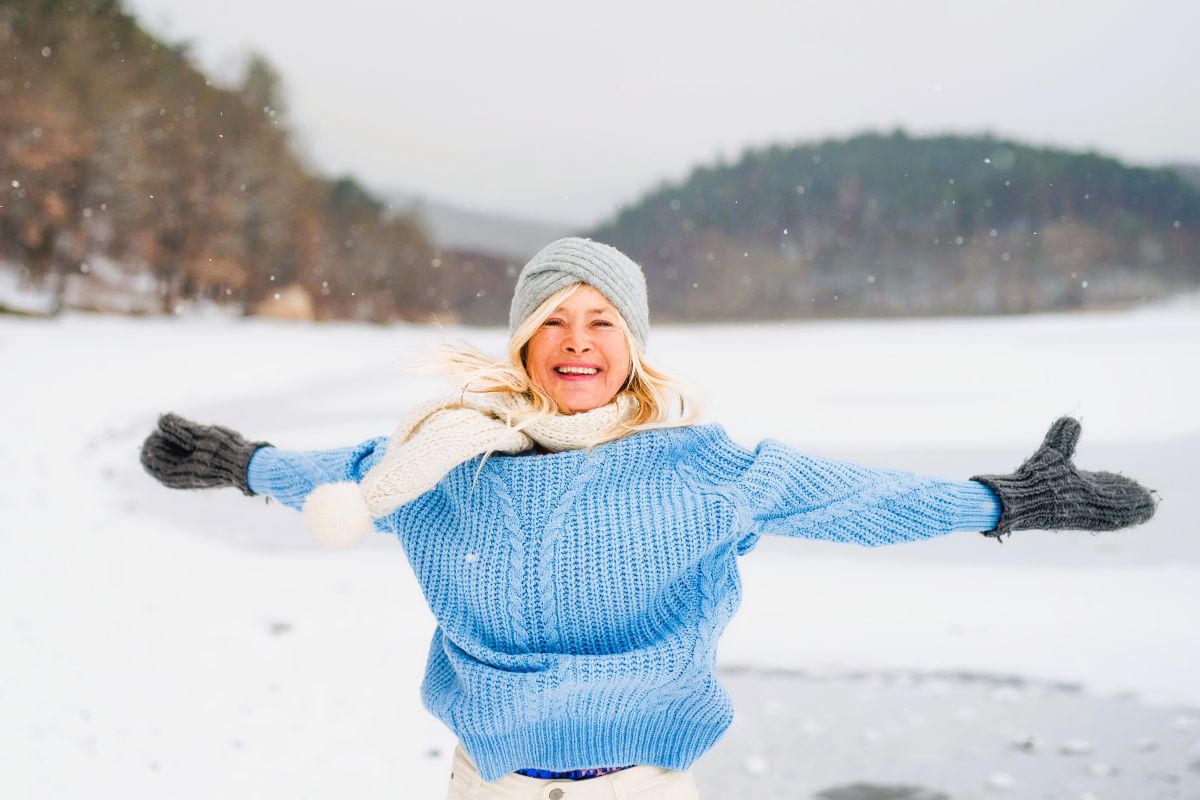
column 183, row 454
column 1048, row 492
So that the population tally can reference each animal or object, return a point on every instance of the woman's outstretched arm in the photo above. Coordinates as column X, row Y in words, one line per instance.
column 183, row 454
column 785, row 492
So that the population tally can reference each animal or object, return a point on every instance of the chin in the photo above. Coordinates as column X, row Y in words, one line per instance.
column 580, row 406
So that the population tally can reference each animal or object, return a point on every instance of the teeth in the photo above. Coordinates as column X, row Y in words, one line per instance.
column 577, row 370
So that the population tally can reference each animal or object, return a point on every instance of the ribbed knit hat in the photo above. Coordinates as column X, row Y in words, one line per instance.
column 571, row 260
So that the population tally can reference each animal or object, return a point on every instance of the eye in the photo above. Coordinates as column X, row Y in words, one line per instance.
column 552, row 322
column 604, row 322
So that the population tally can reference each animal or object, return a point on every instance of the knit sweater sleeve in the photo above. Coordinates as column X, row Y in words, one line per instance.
column 290, row 475
column 787, row 493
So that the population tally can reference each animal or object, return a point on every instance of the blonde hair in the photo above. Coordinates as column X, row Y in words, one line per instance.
column 662, row 400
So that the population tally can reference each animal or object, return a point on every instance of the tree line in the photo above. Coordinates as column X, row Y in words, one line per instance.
column 894, row 224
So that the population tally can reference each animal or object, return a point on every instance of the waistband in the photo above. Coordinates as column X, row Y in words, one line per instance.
column 569, row 775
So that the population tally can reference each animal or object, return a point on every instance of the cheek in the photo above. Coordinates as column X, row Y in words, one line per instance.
column 619, row 363
column 535, row 355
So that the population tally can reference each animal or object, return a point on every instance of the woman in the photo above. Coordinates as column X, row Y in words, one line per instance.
column 575, row 533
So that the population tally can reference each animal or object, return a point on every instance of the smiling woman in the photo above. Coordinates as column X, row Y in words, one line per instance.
column 580, row 595
column 578, row 327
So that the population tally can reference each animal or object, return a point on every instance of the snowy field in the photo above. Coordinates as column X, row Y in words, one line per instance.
column 197, row 645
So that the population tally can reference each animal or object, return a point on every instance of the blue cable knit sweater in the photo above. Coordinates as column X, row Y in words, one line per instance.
column 579, row 595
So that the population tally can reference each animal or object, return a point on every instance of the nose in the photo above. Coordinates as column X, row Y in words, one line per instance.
column 577, row 340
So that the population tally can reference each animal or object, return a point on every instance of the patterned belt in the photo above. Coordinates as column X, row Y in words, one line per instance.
column 569, row 775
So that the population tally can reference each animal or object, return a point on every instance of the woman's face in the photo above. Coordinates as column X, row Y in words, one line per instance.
column 579, row 355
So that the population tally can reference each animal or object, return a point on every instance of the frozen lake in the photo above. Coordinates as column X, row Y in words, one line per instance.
column 157, row 643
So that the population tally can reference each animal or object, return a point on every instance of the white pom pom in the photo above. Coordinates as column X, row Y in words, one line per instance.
column 337, row 515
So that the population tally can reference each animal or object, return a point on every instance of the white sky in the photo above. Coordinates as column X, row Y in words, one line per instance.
column 562, row 111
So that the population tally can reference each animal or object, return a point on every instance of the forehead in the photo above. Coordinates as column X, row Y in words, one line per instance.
column 587, row 300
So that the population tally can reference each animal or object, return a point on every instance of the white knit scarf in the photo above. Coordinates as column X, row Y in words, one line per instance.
column 434, row 439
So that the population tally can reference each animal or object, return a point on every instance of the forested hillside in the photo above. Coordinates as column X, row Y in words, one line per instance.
column 133, row 182
column 893, row 224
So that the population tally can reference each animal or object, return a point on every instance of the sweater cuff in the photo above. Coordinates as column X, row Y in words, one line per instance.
column 258, row 470
column 981, row 507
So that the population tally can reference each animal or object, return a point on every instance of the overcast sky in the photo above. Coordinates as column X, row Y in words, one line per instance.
column 563, row 111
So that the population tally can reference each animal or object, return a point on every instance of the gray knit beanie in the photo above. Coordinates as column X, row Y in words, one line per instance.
column 571, row 260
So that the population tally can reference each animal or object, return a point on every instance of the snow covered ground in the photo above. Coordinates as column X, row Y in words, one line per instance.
column 196, row 644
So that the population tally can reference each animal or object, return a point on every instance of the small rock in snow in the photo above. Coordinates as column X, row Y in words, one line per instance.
column 1025, row 742
column 1144, row 745
column 1102, row 770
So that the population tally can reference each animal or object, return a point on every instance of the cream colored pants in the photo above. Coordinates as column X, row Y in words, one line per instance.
column 635, row 783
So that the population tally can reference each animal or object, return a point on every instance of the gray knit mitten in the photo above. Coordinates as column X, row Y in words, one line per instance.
column 183, row 454
column 1048, row 492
